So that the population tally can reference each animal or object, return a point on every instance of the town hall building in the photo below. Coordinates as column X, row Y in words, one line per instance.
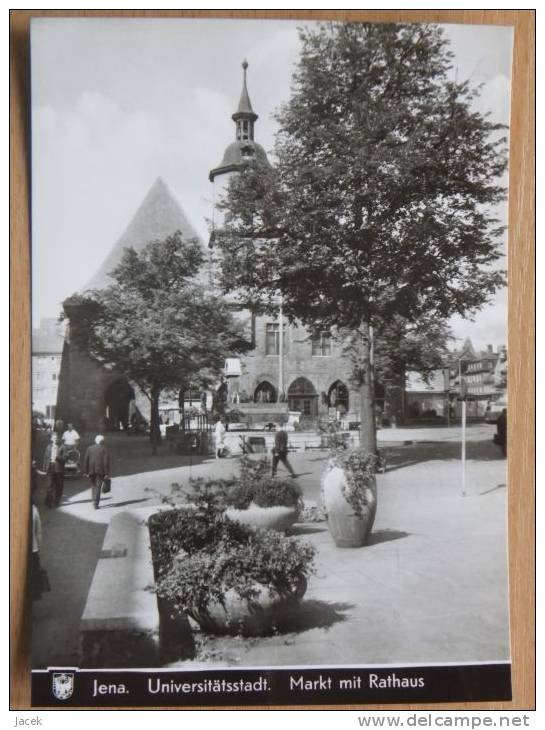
column 287, row 366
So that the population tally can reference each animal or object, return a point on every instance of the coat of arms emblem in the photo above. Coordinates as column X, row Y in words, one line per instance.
column 63, row 685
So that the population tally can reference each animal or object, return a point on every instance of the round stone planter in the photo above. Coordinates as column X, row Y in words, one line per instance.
column 255, row 617
column 347, row 527
column 279, row 517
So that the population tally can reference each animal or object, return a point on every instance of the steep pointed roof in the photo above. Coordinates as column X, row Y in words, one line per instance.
column 244, row 109
column 159, row 215
column 467, row 348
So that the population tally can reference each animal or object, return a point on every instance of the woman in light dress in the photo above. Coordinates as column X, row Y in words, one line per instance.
column 219, row 438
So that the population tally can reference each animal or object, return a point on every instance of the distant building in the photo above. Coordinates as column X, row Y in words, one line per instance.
column 426, row 398
column 477, row 372
column 47, row 347
column 482, row 375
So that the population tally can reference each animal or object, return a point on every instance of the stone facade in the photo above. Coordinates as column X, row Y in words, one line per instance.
column 47, row 347
column 310, row 383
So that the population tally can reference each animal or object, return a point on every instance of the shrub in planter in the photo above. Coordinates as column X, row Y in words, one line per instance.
column 349, row 494
column 187, row 531
column 230, row 578
column 254, row 498
column 260, row 500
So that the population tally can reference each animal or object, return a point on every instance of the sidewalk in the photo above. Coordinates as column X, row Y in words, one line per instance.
column 430, row 586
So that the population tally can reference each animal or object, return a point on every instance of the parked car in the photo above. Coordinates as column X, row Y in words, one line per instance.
column 494, row 410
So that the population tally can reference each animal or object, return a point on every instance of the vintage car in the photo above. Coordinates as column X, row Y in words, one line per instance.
column 494, row 410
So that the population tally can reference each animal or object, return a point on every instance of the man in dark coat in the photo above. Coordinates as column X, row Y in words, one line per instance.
column 53, row 466
column 280, row 451
column 501, row 428
column 97, row 467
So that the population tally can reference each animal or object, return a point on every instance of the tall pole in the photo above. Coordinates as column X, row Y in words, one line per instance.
column 280, row 351
column 464, row 448
column 463, row 395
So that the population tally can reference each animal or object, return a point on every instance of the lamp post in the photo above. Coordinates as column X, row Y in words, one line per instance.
column 463, row 395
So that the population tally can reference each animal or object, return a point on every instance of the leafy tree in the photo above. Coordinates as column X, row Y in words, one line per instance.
column 156, row 323
column 380, row 207
column 400, row 345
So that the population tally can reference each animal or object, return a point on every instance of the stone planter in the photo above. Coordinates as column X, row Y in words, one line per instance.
column 347, row 527
column 255, row 617
column 279, row 517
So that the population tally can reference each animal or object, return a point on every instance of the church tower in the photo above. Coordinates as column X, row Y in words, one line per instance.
column 244, row 149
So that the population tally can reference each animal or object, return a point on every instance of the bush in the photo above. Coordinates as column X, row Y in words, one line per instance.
column 264, row 558
column 255, row 484
column 190, row 531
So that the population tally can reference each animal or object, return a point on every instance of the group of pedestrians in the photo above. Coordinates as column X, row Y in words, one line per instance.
column 96, row 464
column 60, row 446
column 96, row 467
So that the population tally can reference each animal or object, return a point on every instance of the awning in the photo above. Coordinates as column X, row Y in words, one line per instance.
column 232, row 368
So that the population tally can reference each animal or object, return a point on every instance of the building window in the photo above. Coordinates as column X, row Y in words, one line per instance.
column 272, row 338
column 54, row 376
column 321, row 345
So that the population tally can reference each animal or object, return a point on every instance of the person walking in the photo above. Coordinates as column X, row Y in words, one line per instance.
column 35, row 566
column 97, row 467
column 53, row 466
column 280, row 451
column 219, row 438
column 36, row 575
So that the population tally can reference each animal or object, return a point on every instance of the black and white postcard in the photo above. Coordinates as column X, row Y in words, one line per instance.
column 269, row 362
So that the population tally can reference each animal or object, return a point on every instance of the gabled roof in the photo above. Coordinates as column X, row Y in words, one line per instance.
column 159, row 215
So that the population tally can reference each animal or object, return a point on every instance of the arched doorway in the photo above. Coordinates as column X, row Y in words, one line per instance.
column 265, row 393
column 337, row 396
column 302, row 396
column 119, row 393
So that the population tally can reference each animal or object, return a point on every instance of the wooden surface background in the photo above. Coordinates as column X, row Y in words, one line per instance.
column 521, row 343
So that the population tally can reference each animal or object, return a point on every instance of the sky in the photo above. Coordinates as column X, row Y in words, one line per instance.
column 117, row 103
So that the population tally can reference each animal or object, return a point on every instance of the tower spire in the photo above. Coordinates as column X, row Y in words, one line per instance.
column 244, row 117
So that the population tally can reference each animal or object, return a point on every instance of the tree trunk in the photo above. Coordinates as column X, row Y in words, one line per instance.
column 403, row 388
column 155, row 430
column 368, row 438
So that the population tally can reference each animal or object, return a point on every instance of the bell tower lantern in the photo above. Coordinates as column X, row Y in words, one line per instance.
column 244, row 148
column 244, row 117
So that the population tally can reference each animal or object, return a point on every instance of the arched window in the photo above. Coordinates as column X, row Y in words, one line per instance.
column 265, row 393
